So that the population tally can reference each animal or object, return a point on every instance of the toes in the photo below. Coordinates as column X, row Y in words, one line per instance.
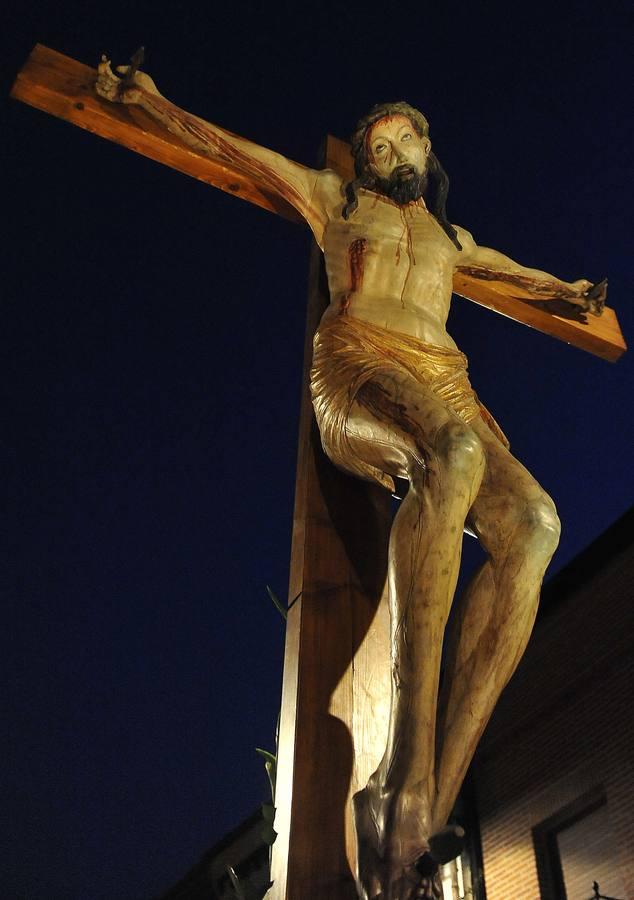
column 446, row 844
column 424, row 892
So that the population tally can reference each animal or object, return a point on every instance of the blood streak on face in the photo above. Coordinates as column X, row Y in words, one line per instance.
column 356, row 259
column 393, row 144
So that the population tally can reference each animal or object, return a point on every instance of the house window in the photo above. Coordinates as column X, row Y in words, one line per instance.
column 462, row 878
column 575, row 848
column 456, row 879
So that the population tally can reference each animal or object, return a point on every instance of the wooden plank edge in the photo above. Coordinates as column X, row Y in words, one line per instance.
column 600, row 336
column 589, row 342
column 132, row 128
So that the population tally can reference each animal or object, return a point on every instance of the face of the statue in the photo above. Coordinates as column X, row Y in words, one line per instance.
column 397, row 156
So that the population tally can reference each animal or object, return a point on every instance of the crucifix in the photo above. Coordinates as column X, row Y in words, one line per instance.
column 373, row 747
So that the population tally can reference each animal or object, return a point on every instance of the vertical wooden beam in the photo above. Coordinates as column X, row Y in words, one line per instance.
column 336, row 690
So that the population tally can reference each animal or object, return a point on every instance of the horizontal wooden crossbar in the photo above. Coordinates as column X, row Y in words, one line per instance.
column 64, row 87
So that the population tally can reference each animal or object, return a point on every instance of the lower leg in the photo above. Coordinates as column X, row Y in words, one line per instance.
column 493, row 624
column 393, row 813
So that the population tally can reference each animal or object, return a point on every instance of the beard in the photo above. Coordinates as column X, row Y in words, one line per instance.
column 404, row 185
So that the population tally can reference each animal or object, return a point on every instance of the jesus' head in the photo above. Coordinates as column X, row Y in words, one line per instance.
column 392, row 156
column 397, row 157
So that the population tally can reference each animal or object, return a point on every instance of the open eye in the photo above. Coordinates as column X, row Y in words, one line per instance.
column 407, row 136
column 379, row 148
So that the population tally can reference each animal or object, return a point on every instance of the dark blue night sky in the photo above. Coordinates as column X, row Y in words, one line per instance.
column 154, row 332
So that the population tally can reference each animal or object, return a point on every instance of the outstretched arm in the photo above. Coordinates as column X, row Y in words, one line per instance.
column 528, row 284
column 311, row 192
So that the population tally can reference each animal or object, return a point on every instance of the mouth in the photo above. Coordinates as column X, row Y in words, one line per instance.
column 404, row 171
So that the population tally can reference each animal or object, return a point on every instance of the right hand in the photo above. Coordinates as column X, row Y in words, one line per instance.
column 116, row 89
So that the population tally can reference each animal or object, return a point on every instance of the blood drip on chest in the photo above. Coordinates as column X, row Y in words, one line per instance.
column 356, row 260
column 409, row 247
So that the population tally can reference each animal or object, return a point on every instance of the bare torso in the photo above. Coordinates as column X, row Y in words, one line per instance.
column 391, row 265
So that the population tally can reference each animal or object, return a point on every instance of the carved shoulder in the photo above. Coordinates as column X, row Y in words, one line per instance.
column 467, row 242
column 326, row 202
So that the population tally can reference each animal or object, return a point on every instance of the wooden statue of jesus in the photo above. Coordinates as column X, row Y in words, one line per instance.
column 392, row 399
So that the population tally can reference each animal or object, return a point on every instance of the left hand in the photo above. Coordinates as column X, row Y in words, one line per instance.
column 590, row 297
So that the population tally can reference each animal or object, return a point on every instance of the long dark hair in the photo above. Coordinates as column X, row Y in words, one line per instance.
column 437, row 182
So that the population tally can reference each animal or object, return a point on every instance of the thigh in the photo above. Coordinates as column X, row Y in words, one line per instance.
column 394, row 424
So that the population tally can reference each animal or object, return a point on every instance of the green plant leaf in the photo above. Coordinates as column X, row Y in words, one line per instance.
column 271, row 771
column 235, row 881
column 268, row 756
column 268, row 812
column 270, row 764
column 283, row 610
column 277, row 602
column 268, row 834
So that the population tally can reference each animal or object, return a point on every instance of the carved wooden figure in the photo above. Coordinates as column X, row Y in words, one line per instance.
column 392, row 399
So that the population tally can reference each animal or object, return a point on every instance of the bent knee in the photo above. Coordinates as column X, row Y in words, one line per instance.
column 545, row 522
column 459, row 449
column 538, row 526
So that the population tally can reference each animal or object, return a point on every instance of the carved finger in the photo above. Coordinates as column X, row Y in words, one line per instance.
column 596, row 295
column 104, row 68
column 108, row 85
column 105, row 75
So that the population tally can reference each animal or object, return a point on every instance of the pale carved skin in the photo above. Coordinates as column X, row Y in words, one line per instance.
column 403, row 284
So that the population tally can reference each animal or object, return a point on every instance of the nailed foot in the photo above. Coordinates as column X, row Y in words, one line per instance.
column 394, row 860
column 387, row 863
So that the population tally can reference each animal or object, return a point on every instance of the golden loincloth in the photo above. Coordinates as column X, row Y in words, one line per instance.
column 348, row 352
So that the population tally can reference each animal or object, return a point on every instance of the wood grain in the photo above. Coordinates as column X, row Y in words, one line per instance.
column 599, row 335
column 56, row 84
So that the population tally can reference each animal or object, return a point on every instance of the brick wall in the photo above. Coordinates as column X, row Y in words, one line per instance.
column 564, row 726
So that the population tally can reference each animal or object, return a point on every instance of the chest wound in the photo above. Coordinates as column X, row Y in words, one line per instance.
column 356, row 261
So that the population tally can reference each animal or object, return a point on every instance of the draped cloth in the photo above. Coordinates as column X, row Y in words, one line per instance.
column 349, row 352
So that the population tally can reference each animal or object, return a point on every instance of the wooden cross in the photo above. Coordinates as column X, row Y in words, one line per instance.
column 336, row 685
